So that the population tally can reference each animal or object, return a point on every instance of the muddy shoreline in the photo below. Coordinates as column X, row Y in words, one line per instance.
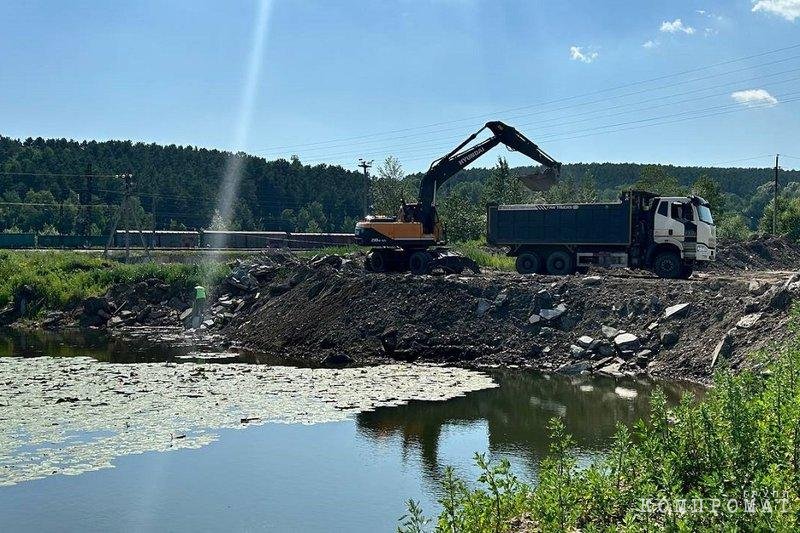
column 330, row 311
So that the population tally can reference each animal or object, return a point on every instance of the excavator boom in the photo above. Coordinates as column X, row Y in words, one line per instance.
column 449, row 165
column 409, row 241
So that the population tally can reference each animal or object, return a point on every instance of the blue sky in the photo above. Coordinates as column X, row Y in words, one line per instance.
column 337, row 80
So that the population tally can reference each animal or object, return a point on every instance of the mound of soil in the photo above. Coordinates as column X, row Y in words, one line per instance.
column 759, row 253
column 615, row 325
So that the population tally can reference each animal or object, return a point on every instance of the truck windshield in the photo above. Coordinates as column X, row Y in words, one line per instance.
column 705, row 214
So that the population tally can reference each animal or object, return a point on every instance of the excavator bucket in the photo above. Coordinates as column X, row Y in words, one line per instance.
column 538, row 181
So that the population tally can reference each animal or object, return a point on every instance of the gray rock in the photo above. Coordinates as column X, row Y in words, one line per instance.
column 483, row 306
column 669, row 338
column 609, row 332
column 723, row 349
column 501, row 298
column 534, row 319
column 576, row 351
column 552, row 314
column 575, row 368
column 612, row 370
column 748, row 321
column 606, row 349
column 756, row 288
column 585, row 341
column 592, row 280
column 627, row 342
column 677, row 311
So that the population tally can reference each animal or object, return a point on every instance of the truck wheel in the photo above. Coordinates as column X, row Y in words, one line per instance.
column 559, row 263
column 420, row 263
column 686, row 271
column 667, row 265
column 528, row 263
column 377, row 261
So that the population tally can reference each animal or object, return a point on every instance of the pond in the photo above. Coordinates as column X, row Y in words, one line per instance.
column 322, row 463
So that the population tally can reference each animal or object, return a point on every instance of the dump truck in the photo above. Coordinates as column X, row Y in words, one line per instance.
column 668, row 235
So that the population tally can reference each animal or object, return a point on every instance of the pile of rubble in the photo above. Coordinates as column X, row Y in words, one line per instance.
column 331, row 308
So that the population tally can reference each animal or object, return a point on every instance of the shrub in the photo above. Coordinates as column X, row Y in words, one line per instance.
column 737, row 452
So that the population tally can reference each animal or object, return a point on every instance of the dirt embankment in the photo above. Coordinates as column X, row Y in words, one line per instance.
column 330, row 309
column 609, row 323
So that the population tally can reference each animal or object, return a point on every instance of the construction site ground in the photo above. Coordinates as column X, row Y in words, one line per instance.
column 329, row 310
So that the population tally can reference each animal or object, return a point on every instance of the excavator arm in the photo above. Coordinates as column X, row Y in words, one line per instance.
column 449, row 165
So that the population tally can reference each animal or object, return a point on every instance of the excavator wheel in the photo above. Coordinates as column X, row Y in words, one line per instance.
column 378, row 261
column 420, row 262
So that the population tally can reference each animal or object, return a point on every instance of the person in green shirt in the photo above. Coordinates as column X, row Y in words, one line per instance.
column 199, row 304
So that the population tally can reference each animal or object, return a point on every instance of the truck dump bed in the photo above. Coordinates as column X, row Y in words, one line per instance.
column 607, row 224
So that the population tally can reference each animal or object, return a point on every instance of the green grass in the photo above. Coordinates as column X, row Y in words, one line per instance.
column 62, row 279
column 478, row 252
column 742, row 439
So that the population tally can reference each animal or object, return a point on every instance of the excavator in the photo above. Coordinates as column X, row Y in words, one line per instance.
column 414, row 238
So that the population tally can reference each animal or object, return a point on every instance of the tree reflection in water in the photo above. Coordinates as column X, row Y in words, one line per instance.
column 516, row 415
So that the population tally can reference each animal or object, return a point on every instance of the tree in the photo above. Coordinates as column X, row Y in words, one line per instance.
column 653, row 178
column 388, row 191
column 502, row 187
column 710, row 190
column 463, row 220
column 569, row 190
column 788, row 219
column 732, row 227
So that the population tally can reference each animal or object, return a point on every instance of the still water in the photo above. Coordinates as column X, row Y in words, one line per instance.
column 351, row 475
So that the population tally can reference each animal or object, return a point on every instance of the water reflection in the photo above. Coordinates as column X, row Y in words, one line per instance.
column 516, row 414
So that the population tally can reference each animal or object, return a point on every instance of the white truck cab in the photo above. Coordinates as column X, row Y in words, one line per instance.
column 686, row 223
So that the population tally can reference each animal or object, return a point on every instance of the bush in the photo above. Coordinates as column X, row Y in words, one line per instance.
column 737, row 452
column 733, row 228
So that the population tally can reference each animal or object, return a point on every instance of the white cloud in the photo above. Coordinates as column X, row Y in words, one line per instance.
column 676, row 26
column 788, row 9
column 701, row 11
column 576, row 53
column 754, row 98
column 650, row 44
column 708, row 32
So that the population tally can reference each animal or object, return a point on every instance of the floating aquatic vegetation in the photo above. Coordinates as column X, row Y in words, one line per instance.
column 71, row 415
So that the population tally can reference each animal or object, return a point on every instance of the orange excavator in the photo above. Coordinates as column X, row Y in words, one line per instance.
column 414, row 238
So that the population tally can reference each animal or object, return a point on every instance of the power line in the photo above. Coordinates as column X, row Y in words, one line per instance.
column 58, row 175
column 571, row 106
column 560, row 122
column 600, row 91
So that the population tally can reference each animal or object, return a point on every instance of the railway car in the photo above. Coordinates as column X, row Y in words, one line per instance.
column 17, row 240
column 242, row 240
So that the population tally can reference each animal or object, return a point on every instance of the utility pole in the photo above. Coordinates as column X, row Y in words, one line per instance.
column 125, row 215
column 85, row 227
column 775, row 199
column 365, row 165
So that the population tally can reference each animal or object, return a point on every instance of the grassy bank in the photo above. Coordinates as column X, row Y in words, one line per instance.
column 484, row 257
column 730, row 462
column 61, row 279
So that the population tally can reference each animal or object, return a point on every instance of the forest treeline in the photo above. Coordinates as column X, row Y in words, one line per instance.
column 43, row 189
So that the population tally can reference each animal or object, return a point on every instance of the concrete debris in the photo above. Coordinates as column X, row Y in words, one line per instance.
column 748, row 321
column 677, row 311
column 723, row 349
